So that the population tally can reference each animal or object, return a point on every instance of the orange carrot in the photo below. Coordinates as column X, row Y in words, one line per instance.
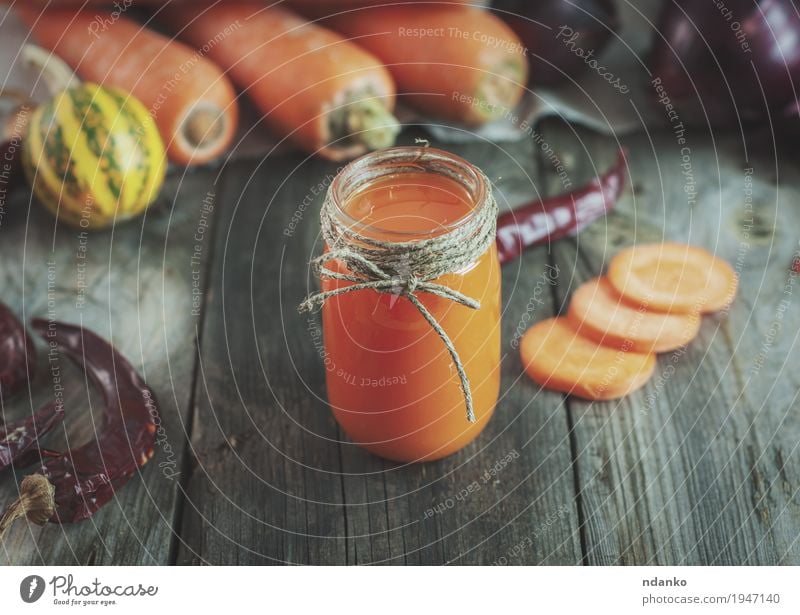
column 324, row 92
column 557, row 357
column 454, row 62
column 673, row 277
column 599, row 313
column 190, row 99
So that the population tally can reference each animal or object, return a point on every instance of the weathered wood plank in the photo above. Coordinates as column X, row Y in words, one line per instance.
column 292, row 490
column 134, row 287
column 508, row 497
column 700, row 467
column 266, row 485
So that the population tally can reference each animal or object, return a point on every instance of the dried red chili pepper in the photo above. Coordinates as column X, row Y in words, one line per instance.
column 72, row 486
column 17, row 354
column 555, row 217
column 19, row 440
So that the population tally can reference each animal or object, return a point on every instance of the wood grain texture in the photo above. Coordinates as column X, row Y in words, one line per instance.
column 700, row 466
column 460, row 510
column 266, row 483
column 132, row 286
column 293, row 489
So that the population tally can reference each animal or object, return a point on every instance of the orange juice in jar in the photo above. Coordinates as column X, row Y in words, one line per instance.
column 393, row 381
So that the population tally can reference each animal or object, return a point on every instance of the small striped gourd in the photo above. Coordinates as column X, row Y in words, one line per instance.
column 93, row 156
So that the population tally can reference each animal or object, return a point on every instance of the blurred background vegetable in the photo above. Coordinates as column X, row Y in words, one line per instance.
column 731, row 62
column 329, row 86
column 551, row 30
column 312, row 86
column 93, row 156
column 456, row 63
column 316, row 88
column 192, row 101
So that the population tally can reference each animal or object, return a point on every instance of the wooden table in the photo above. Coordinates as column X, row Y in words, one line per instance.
column 700, row 467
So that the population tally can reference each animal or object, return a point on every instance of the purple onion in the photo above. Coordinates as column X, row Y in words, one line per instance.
column 731, row 61
column 551, row 29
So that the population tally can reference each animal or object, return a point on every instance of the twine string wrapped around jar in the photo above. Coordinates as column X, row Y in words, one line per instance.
column 406, row 268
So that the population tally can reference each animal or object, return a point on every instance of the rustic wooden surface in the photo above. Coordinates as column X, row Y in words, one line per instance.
column 699, row 467
column 134, row 287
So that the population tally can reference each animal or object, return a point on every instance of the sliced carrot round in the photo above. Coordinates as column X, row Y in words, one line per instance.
column 673, row 277
column 599, row 313
column 557, row 357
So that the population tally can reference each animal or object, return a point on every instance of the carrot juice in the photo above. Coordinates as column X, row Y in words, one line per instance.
column 392, row 385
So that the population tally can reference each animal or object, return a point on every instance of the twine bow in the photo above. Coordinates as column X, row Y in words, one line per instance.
column 406, row 268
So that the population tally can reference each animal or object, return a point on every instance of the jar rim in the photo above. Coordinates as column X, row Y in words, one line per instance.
column 399, row 159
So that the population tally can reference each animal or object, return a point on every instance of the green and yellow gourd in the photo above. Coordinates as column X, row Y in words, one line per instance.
column 93, row 156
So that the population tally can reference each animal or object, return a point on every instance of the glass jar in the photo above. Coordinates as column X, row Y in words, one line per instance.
column 392, row 384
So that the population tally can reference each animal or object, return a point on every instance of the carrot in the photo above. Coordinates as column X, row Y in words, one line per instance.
column 453, row 62
column 673, row 277
column 599, row 313
column 325, row 93
column 190, row 99
column 557, row 357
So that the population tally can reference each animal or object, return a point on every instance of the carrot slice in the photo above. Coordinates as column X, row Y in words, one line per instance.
column 599, row 313
column 673, row 277
column 557, row 357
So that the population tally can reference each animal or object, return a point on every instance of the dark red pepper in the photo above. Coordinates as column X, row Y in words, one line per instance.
column 72, row 486
column 19, row 441
column 555, row 217
column 17, row 355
